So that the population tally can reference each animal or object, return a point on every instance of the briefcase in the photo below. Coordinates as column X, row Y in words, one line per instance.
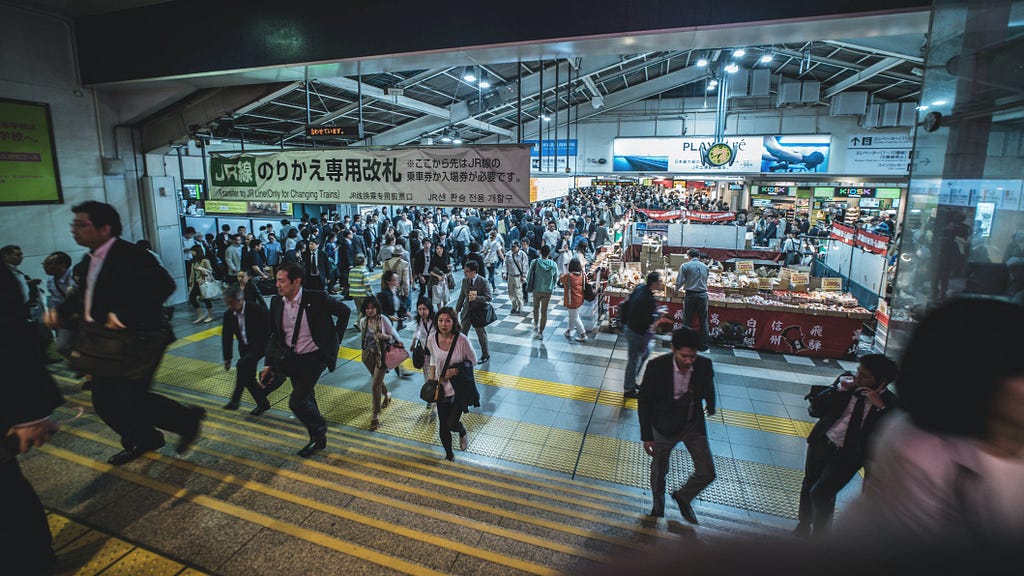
column 121, row 354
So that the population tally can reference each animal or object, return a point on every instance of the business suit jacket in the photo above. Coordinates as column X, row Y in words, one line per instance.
column 828, row 406
column 131, row 284
column 318, row 311
column 483, row 292
column 28, row 391
column 657, row 408
column 387, row 304
column 257, row 330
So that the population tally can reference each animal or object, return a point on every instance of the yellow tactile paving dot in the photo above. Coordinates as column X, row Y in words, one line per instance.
column 64, row 530
column 141, row 562
column 92, row 553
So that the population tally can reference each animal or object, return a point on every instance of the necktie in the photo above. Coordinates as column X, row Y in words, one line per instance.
column 312, row 261
column 852, row 440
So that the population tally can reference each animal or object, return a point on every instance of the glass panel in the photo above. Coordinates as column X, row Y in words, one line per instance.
column 963, row 229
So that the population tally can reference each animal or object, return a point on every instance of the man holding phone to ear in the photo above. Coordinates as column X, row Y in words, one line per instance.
column 848, row 412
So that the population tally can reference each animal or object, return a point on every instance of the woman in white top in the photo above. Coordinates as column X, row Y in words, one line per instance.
column 459, row 388
column 494, row 252
column 952, row 467
column 424, row 327
column 202, row 272
column 377, row 333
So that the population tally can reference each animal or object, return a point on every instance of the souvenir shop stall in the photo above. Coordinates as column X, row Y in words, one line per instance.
column 762, row 308
column 720, row 241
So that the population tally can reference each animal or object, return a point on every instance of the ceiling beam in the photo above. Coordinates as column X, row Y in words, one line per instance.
column 844, row 64
column 876, row 51
column 865, row 74
column 286, row 89
column 413, row 104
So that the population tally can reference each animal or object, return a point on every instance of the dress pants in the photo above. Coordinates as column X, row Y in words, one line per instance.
column 637, row 349
column 826, row 471
column 25, row 538
column 135, row 413
column 481, row 333
column 696, row 304
column 694, row 437
column 304, row 370
column 245, row 377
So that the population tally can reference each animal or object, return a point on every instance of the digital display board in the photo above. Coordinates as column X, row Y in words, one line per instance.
column 28, row 156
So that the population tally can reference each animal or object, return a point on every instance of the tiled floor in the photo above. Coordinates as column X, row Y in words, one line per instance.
column 563, row 401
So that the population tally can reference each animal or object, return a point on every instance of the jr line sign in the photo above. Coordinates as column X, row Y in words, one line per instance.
column 483, row 176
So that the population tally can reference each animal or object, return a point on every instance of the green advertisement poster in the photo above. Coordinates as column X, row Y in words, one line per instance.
column 28, row 158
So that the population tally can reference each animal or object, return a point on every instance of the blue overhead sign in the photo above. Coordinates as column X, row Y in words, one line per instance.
column 549, row 148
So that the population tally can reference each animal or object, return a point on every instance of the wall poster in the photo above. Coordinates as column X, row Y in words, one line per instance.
column 28, row 155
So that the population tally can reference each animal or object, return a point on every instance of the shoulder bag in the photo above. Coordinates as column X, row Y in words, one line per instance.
column 210, row 290
column 395, row 354
column 121, row 354
column 431, row 389
column 588, row 291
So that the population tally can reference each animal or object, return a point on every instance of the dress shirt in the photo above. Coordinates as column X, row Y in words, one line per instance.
column 305, row 343
column 96, row 258
column 693, row 277
column 58, row 287
column 837, row 433
column 680, row 380
column 240, row 315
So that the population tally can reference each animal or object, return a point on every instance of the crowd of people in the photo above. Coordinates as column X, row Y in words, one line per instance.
column 120, row 288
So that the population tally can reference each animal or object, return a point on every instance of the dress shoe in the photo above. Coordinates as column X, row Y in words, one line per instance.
column 189, row 437
column 685, row 509
column 259, row 409
column 231, row 405
column 464, row 442
column 313, row 447
column 127, row 455
column 631, row 394
column 374, row 424
column 485, row 358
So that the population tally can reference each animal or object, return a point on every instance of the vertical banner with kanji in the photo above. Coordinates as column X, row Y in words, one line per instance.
column 478, row 176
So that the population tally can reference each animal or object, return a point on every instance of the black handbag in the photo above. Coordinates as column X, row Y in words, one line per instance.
column 431, row 389
column 419, row 355
column 480, row 316
column 588, row 291
column 122, row 354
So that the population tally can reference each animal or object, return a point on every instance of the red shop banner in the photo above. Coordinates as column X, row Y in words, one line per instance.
column 843, row 233
column 771, row 331
column 691, row 215
column 871, row 242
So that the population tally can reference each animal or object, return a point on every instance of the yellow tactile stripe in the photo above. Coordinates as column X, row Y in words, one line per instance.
column 336, row 511
column 106, row 554
column 241, row 513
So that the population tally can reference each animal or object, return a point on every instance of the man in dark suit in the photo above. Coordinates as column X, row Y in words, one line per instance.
column 346, row 255
column 421, row 264
column 670, row 411
column 315, row 261
column 301, row 326
column 370, row 238
column 124, row 287
column 391, row 302
column 29, row 396
column 848, row 412
column 475, row 293
column 246, row 321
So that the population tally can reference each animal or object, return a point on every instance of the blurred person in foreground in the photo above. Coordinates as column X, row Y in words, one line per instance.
column 951, row 465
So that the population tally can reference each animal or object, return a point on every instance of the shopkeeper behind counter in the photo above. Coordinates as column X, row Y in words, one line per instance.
column 693, row 277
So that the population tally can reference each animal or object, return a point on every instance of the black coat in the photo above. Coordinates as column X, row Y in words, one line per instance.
column 828, row 406
column 131, row 284
column 657, row 408
column 387, row 304
column 257, row 330
column 318, row 311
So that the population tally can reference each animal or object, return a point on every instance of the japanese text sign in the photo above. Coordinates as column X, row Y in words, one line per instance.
column 480, row 176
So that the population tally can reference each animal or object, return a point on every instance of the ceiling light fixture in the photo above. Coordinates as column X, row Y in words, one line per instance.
column 939, row 103
column 469, row 76
column 702, row 62
column 766, row 58
column 484, row 84
column 739, row 53
column 732, row 68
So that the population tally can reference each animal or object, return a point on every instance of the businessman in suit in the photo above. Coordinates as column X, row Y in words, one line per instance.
column 246, row 321
column 848, row 412
column 670, row 409
column 124, row 287
column 475, row 293
column 301, row 325
column 29, row 396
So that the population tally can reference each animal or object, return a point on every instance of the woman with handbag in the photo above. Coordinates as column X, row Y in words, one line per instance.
column 202, row 285
column 420, row 354
column 573, row 282
column 451, row 368
column 379, row 339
